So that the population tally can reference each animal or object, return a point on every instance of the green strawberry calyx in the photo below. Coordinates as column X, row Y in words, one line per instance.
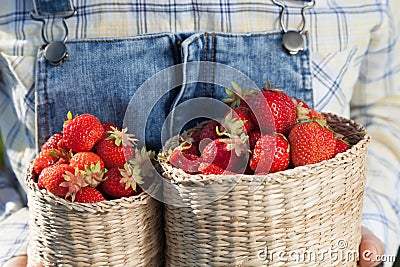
column 94, row 174
column 232, row 125
column 238, row 143
column 121, row 137
column 237, row 94
column 136, row 169
column 74, row 182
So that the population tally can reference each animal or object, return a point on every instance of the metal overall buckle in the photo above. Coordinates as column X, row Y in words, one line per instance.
column 292, row 40
column 55, row 51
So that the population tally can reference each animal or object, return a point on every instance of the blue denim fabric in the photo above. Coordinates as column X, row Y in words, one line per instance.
column 101, row 76
column 259, row 56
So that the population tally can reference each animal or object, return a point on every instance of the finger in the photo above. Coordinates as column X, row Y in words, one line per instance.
column 371, row 249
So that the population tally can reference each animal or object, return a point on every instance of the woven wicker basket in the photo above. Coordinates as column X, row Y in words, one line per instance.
column 306, row 216
column 122, row 232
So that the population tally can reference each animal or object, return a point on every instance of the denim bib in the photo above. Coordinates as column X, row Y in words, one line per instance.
column 100, row 76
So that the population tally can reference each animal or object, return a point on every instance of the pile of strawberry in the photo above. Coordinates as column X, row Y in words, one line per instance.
column 90, row 161
column 263, row 132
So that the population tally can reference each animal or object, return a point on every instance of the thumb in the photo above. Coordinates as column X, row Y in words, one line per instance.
column 371, row 249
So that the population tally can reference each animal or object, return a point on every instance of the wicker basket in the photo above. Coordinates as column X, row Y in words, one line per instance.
column 122, row 232
column 306, row 216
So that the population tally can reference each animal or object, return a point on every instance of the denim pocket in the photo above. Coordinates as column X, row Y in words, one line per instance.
column 99, row 77
column 259, row 56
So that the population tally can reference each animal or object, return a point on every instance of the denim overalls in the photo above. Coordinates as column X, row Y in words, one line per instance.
column 102, row 76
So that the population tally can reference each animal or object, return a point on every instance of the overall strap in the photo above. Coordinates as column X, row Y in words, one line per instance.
column 53, row 7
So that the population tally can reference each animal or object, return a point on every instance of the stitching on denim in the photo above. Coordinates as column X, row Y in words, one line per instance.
column 46, row 98
column 213, row 53
column 204, row 66
column 37, row 115
column 113, row 40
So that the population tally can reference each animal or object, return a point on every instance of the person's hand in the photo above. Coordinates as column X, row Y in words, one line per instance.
column 20, row 261
column 371, row 249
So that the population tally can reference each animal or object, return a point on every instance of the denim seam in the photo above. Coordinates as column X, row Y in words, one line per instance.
column 204, row 68
column 46, row 98
column 213, row 52
column 113, row 40
column 37, row 106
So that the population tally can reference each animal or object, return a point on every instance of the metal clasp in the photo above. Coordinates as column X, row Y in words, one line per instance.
column 292, row 40
column 55, row 51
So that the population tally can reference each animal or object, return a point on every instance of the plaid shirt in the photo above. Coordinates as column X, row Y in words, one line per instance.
column 355, row 66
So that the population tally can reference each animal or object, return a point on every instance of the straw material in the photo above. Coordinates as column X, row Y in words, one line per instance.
column 121, row 232
column 306, row 216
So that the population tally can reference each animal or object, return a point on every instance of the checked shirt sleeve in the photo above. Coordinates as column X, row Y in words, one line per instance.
column 376, row 104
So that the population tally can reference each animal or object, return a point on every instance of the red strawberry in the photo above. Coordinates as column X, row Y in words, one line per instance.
column 303, row 111
column 116, row 186
column 311, row 142
column 271, row 154
column 91, row 166
column 82, row 133
column 245, row 115
column 238, row 97
column 341, row 146
column 52, row 142
column 224, row 153
column 61, row 146
column 89, row 195
column 42, row 161
column 108, row 126
column 273, row 111
column 189, row 163
column 253, row 137
column 192, row 148
column 52, row 177
column 116, row 149
column 209, row 130
column 82, row 159
column 209, row 168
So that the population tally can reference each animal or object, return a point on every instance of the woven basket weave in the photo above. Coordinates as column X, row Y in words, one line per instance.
column 121, row 232
column 311, row 214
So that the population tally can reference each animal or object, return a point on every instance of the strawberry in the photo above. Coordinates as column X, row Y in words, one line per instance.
column 82, row 132
column 52, row 177
column 189, row 163
column 273, row 110
column 116, row 184
column 116, row 149
column 91, row 166
column 341, row 146
column 245, row 115
column 83, row 159
column 209, row 131
column 253, row 137
column 209, row 168
column 225, row 152
column 89, row 195
column 190, row 142
column 237, row 96
column 43, row 160
column 311, row 142
column 52, row 142
column 192, row 148
column 303, row 111
column 108, row 126
column 271, row 154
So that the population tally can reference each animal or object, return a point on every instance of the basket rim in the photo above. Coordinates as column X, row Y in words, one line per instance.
column 33, row 188
column 288, row 174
